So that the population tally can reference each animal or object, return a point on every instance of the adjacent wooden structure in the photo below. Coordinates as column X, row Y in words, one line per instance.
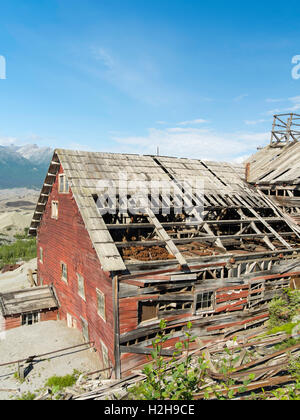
column 28, row 306
column 216, row 261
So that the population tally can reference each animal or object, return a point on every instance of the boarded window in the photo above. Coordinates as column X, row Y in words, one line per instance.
column 204, row 302
column 63, row 184
column 81, row 291
column 147, row 311
column 64, row 271
column 85, row 329
column 54, row 210
column 101, row 304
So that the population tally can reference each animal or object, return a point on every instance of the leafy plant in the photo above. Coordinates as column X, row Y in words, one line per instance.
column 171, row 379
column 58, row 383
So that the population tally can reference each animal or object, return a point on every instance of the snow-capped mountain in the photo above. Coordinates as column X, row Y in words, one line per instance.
column 23, row 166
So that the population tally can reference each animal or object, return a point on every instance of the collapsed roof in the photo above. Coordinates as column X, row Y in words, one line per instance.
column 178, row 223
column 279, row 162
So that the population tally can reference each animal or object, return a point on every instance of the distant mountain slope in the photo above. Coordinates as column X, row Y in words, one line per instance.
column 23, row 166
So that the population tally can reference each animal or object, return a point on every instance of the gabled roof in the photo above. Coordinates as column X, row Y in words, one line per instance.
column 223, row 187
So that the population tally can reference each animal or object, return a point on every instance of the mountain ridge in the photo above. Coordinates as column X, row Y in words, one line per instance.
column 23, row 166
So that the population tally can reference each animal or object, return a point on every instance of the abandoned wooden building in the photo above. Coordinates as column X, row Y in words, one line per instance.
column 275, row 169
column 216, row 261
column 28, row 306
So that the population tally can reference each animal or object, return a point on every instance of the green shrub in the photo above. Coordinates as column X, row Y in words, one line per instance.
column 283, row 309
column 57, row 383
column 24, row 250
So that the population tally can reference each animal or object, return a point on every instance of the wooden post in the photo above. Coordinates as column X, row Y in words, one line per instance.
column 116, row 327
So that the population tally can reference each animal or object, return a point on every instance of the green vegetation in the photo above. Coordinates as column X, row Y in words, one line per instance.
column 170, row 379
column 27, row 396
column 58, row 383
column 181, row 378
column 283, row 309
column 23, row 249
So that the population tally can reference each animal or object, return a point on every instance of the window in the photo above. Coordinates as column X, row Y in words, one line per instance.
column 204, row 302
column 80, row 280
column 63, row 184
column 54, row 210
column 101, row 304
column 30, row 319
column 85, row 329
column 104, row 355
column 64, row 272
column 147, row 311
column 256, row 292
column 41, row 255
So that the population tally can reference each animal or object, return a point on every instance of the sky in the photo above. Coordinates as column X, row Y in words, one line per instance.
column 195, row 78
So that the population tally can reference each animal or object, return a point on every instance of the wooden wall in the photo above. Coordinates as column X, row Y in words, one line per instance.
column 66, row 240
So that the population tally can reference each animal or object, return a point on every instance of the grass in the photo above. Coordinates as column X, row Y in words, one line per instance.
column 58, row 383
column 22, row 249
column 27, row 396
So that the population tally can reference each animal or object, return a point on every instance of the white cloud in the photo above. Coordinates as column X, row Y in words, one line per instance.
column 8, row 141
column 255, row 122
column 240, row 97
column 191, row 122
column 194, row 143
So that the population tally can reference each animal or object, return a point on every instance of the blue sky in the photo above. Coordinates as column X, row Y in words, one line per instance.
column 198, row 79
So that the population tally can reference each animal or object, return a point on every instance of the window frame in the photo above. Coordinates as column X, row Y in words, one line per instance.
column 54, row 209
column 85, row 329
column 102, row 313
column 64, row 183
column 204, row 310
column 63, row 264
column 41, row 255
column 82, row 295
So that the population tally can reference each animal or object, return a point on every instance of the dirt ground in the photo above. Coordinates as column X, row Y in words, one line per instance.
column 37, row 339
column 17, row 279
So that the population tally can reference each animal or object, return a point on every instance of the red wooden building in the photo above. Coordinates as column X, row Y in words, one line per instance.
column 119, row 264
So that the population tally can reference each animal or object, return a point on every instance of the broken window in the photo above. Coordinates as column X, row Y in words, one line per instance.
column 64, row 272
column 174, row 306
column 256, row 292
column 147, row 311
column 101, row 304
column 54, row 210
column 204, row 302
column 81, row 291
column 63, row 184
column 30, row 319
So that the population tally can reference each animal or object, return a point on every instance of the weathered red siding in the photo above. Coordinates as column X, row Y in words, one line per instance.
column 67, row 240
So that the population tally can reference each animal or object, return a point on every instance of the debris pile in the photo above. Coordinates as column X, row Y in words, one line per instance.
column 265, row 359
column 142, row 253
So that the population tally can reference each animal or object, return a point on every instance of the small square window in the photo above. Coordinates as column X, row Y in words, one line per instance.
column 64, row 271
column 54, row 210
column 147, row 310
column 81, row 291
column 204, row 302
column 63, row 184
